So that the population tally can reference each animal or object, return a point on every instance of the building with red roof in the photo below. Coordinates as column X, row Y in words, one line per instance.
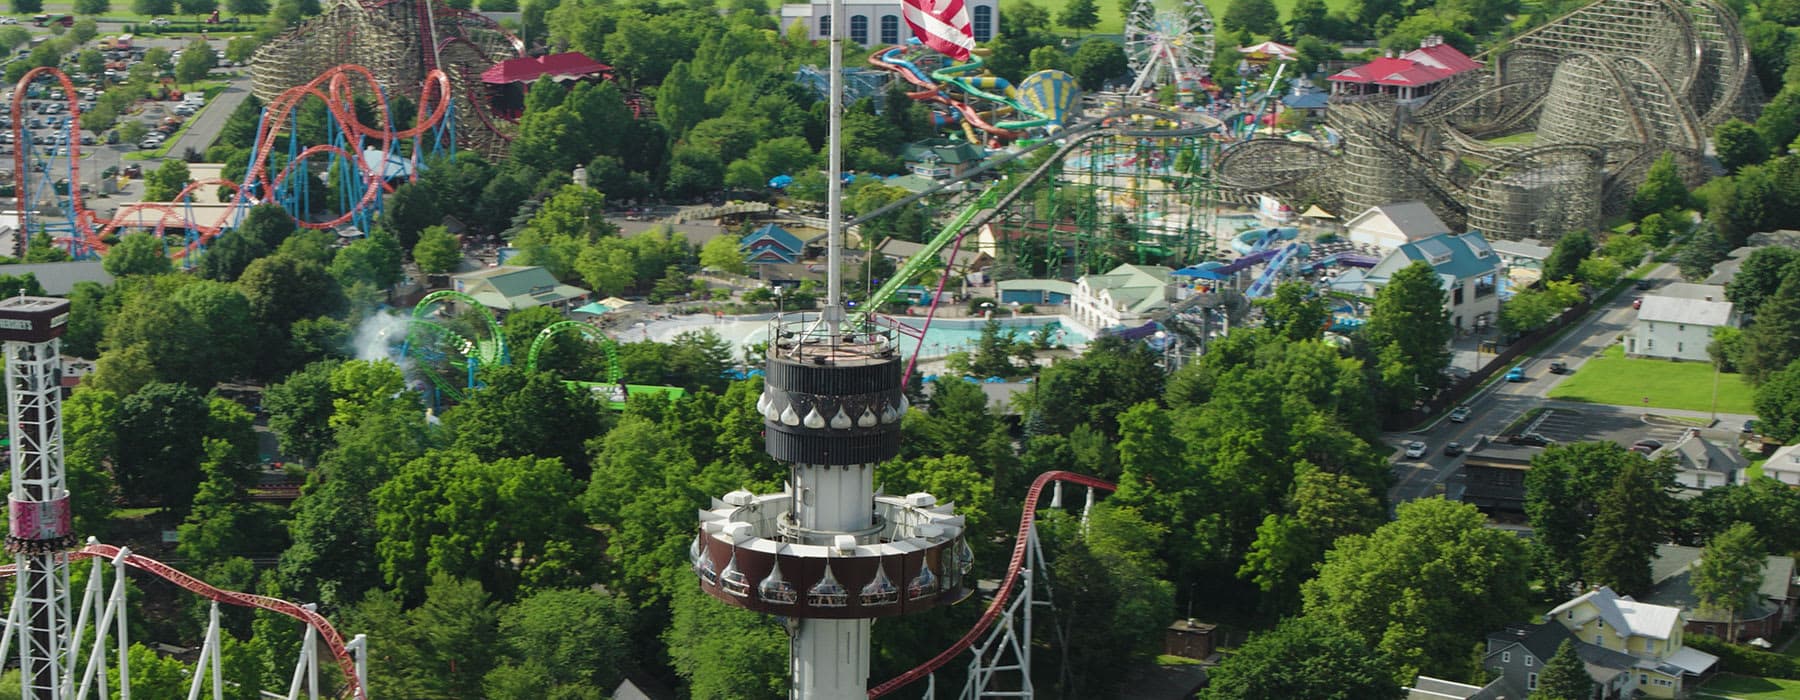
column 573, row 65
column 1409, row 77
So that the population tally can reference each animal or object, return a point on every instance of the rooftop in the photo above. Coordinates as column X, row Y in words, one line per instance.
column 572, row 65
column 1624, row 613
column 1693, row 312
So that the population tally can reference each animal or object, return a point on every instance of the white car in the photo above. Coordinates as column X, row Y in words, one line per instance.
column 8, row 20
column 159, row 22
column 1415, row 449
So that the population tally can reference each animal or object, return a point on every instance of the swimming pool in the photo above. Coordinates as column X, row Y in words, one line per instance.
column 945, row 336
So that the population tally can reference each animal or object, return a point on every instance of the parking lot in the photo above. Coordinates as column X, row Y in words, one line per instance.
column 1622, row 426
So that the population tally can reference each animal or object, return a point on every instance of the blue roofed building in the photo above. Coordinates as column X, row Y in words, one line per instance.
column 771, row 244
column 1467, row 266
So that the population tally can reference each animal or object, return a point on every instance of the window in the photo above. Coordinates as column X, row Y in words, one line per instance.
column 1456, row 297
column 890, row 29
column 1649, row 343
column 1484, row 286
column 1506, row 657
column 1531, row 681
column 1681, row 327
column 825, row 27
column 1643, row 679
column 984, row 23
column 859, row 29
column 1528, row 661
column 1679, row 345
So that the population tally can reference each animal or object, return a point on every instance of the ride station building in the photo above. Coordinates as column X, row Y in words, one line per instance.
column 1410, row 77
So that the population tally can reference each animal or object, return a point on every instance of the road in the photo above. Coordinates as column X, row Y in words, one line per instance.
column 1503, row 402
column 206, row 124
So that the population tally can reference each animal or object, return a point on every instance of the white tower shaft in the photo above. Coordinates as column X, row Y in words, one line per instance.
column 40, row 516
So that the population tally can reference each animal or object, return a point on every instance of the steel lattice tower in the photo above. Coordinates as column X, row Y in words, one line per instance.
column 31, row 329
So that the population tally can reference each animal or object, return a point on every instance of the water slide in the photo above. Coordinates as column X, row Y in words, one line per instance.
column 1244, row 263
column 1266, row 281
column 932, row 88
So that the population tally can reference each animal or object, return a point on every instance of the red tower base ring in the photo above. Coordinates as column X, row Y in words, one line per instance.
column 40, row 520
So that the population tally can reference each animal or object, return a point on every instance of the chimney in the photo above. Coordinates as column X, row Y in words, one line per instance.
column 1390, row 53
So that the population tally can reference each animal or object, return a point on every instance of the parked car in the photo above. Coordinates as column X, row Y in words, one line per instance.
column 1516, row 374
column 1559, row 367
column 1452, row 448
column 1415, row 449
column 1637, row 303
column 148, row 144
column 1646, row 446
column 1642, row 284
column 159, row 22
column 1532, row 439
column 1460, row 414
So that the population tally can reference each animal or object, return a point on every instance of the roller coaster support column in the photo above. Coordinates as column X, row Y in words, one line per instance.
column 31, row 329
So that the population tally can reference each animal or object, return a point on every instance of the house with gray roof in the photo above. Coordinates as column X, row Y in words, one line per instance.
column 1783, row 465
column 1519, row 653
column 1467, row 266
column 1390, row 226
column 1702, row 464
column 1773, row 607
column 1680, row 325
column 1126, row 295
column 510, row 288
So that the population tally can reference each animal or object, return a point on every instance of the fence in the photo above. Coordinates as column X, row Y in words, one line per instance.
column 1459, row 391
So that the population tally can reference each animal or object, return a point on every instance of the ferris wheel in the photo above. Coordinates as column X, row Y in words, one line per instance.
column 1169, row 47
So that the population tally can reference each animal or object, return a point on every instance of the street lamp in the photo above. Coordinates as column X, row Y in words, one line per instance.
column 778, row 290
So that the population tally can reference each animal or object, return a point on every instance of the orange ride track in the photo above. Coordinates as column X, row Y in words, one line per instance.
column 1005, row 593
column 334, row 642
column 334, row 87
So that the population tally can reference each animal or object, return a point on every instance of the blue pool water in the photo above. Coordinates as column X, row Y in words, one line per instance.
column 950, row 335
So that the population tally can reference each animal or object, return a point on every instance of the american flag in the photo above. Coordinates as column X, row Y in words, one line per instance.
column 942, row 25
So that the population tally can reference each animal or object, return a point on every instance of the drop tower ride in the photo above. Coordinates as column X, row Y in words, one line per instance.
column 828, row 554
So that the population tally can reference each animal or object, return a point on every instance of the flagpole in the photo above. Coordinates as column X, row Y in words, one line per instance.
column 834, row 175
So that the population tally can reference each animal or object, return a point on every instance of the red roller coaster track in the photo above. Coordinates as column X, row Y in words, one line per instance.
column 328, row 634
column 1006, row 587
column 334, row 87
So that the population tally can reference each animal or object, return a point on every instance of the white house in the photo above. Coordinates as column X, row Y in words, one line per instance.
column 1678, row 322
column 1783, row 466
column 1390, row 226
column 1467, row 266
column 1125, row 295
column 878, row 22
column 1702, row 464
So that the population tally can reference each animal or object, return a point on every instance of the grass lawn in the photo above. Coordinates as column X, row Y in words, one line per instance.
column 1112, row 16
column 1750, row 688
column 1615, row 379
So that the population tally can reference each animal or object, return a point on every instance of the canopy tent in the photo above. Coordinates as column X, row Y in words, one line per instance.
column 592, row 307
column 1268, row 50
column 572, row 65
column 1314, row 212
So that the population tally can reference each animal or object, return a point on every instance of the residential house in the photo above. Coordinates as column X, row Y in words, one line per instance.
column 1783, row 466
column 877, row 22
column 965, row 260
column 1678, row 322
column 511, row 288
column 1467, row 266
column 1494, row 477
column 1702, row 464
column 941, row 158
column 1772, row 609
column 1125, row 295
column 1410, row 78
column 771, row 244
column 1519, row 653
column 1650, row 633
column 1390, row 226
column 1428, row 688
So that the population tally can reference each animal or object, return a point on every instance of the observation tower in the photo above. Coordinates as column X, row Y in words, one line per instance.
column 827, row 554
column 31, row 329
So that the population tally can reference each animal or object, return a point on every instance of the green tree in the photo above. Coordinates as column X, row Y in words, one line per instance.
column 1112, row 572
column 1096, row 62
column 1759, row 277
column 1599, row 272
column 1563, row 492
column 1725, row 349
column 158, row 450
column 1565, row 677
column 1567, row 255
column 721, row 253
column 300, row 409
column 167, row 181
column 1662, row 189
column 724, row 651
column 1774, row 340
column 92, row 7
column 1779, row 122
column 1295, row 311
column 1411, row 326
column 1308, row 18
column 1079, row 15
column 26, row 7
column 1290, row 545
column 681, row 100
column 1254, row 16
column 196, row 7
column 374, row 259
column 1729, row 574
column 572, row 639
column 1303, row 657
column 198, row 59
column 1738, row 144
column 1634, row 514
column 1778, row 404
column 525, row 415
column 1419, row 588
column 437, row 251
column 136, row 254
